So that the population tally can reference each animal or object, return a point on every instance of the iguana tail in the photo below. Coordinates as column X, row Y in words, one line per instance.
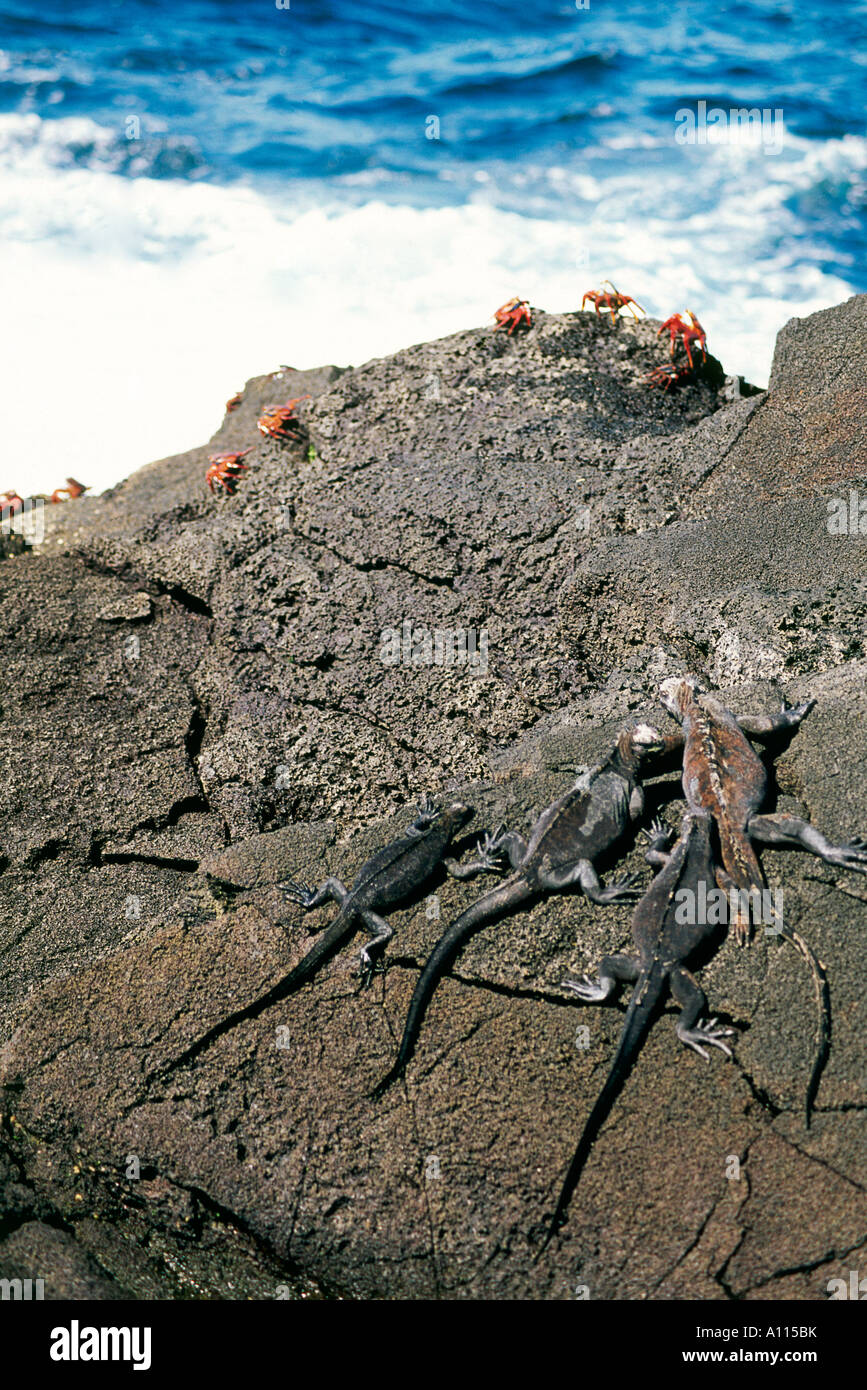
column 823, row 1030
column 646, row 998
column 326, row 945
column 500, row 899
column 744, row 874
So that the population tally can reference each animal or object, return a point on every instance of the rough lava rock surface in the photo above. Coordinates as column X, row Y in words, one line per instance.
column 196, row 707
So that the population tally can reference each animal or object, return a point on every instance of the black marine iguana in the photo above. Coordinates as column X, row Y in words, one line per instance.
column 393, row 874
column 591, row 817
column 666, row 936
column 390, row 876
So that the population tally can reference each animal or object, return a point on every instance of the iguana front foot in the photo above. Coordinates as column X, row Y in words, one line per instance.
column 491, row 843
column 371, row 951
column 297, row 892
column 427, row 812
column 794, row 714
column 852, row 855
column 658, row 831
column 658, row 837
column 707, row 1033
column 331, row 891
column 491, row 850
column 489, row 859
column 507, row 844
column 610, row 972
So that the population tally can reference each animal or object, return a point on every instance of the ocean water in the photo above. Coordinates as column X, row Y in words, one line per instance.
column 196, row 192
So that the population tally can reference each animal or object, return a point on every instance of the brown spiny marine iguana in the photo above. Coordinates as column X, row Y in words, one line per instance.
column 392, row 875
column 725, row 778
column 589, row 819
column 666, row 937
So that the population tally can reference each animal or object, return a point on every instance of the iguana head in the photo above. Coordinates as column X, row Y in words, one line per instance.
column 636, row 745
column 432, row 813
column 678, row 692
column 456, row 815
column 631, row 751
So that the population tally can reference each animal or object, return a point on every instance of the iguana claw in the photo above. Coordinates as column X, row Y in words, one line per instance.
column 796, row 713
column 490, row 849
column 591, row 991
column 705, row 1032
column 368, row 966
column 850, row 856
column 297, row 892
column 657, row 830
column 427, row 811
column 624, row 891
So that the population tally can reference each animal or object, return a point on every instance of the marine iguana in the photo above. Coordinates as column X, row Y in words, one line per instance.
column 724, row 777
column 394, row 873
column 665, row 942
column 390, row 876
column 587, row 820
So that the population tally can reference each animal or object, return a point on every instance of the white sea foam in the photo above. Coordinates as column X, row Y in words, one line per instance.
column 135, row 306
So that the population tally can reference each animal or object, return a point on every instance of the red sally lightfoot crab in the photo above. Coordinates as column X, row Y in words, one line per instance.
column 612, row 300
column 515, row 313
column 233, row 402
column 279, row 421
column 668, row 376
column 66, row 494
column 225, row 470
column 687, row 332
column 10, row 502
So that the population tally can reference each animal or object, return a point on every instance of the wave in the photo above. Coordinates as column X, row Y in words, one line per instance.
column 587, row 66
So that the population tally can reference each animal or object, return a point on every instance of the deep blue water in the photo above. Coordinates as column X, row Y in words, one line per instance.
column 556, row 161
column 229, row 89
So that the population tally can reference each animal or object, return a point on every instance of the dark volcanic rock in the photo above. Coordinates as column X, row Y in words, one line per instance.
column 197, row 707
